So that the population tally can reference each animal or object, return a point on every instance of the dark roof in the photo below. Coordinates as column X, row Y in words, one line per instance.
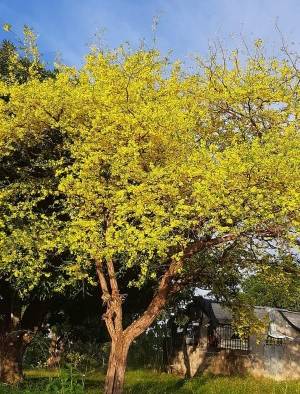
column 293, row 318
column 224, row 315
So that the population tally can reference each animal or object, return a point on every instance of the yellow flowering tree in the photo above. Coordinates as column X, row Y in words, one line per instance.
column 168, row 165
column 159, row 168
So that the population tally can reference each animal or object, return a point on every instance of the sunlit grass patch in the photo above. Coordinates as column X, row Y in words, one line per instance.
column 140, row 381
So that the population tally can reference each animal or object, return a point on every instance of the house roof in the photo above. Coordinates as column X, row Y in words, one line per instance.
column 224, row 315
column 293, row 318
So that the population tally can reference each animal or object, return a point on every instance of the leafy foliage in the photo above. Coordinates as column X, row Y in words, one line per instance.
column 133, row 160
column 276, row 285
column 163, row 159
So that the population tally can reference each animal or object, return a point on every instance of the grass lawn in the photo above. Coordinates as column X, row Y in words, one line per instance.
column 143, row 381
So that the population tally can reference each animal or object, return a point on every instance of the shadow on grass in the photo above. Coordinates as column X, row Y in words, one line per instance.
column 42, row 381
column 137, row 382
column 30, row 386
column 168, row 386
column 157, row 388
column 141, row 382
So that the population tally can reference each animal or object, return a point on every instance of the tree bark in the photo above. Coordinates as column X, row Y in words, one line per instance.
column 17, row 329
column 115, row 374
column 12, row 350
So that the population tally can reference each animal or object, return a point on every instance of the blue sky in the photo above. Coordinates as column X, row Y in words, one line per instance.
column 186, row 26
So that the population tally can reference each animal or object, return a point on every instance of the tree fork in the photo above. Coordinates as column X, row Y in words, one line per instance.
column 122, row 339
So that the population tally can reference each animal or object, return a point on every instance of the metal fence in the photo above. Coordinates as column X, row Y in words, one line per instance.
column 224, row 337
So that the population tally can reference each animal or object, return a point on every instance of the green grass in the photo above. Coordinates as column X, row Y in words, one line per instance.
column 143, row 381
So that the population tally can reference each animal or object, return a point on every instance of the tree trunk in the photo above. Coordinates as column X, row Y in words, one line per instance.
column 122, row 339
column 115, row 374
column 55, row 351
column 11, row 360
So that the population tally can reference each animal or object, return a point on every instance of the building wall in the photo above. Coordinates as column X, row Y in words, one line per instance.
column 270, row 361
column 275, row 361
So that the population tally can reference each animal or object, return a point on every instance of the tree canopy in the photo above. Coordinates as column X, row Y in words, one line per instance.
column 157, row 169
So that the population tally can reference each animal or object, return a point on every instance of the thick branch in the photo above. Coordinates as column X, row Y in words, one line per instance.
column 102, row 281
column 156, row 305
column 113, row 316
column 116, row 299
column 167, row 285
column 201, row 244
column 106, row 298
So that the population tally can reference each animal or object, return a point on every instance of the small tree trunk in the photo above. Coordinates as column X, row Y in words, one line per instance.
column 55, row 350
column 115, row 374
column 11, row 361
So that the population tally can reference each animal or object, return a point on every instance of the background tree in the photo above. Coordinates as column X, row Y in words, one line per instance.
column 30, row 213
column 276, row 284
